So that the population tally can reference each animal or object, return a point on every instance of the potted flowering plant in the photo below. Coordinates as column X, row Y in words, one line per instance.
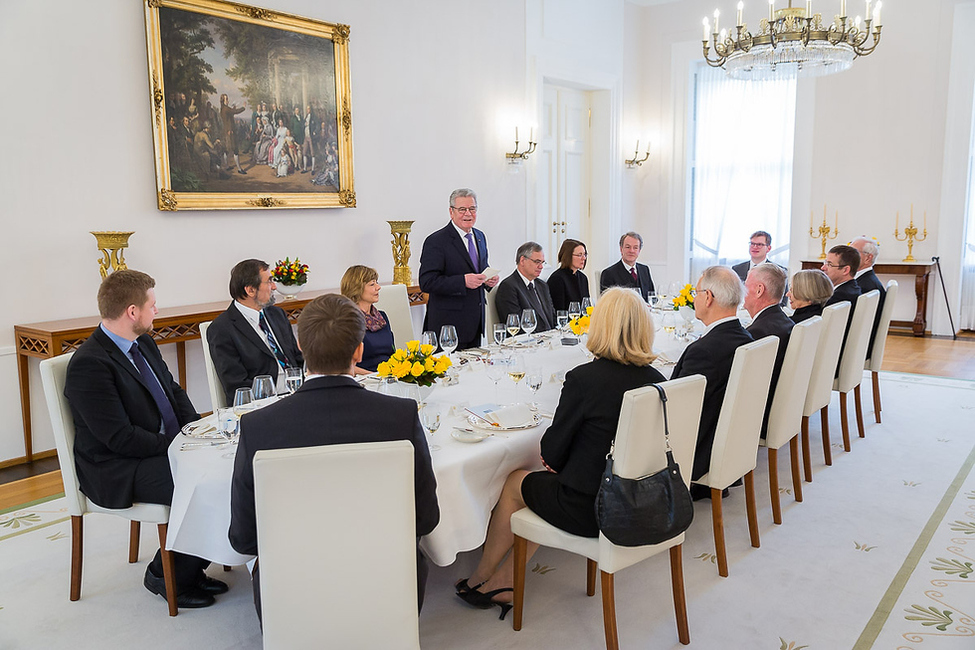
column 684, row 303
column 415, row 365
column 290, row 276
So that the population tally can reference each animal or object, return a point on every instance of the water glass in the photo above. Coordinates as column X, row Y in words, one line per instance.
column 243, row 398
column 653, row 299
column 448, row 338
column 499, row 333
column 512, row 324
column 293, row 377
column 533, row 379
column 528, row 322
column 430, row 419
column 562, row 318
column 227, row 423
column 263, row 387
column 429, row 338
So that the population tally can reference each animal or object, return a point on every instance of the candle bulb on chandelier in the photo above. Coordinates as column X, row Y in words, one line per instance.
column 843, row 8
column 836, row 222
column 867, row 13
column 897, row 221
column 808, row 8
column 741, row 5
column 876, row 14
column 857, row 21
column 771, row 10
column 716, row 14
column 707, row 29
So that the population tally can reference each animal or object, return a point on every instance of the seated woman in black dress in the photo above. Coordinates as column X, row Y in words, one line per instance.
column 568, row 283
column 574, row 447
column 808, row 293
column 360, row 284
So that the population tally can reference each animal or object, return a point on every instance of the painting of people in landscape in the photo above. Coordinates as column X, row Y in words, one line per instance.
column 251, row 108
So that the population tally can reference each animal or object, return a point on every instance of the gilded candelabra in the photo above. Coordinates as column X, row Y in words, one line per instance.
column 111, row 243
column 824, row 231
column 401, row 251
column 910, row 234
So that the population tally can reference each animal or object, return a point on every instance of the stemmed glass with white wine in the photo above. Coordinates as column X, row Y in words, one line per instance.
column 516, row 370
column 512, row 324
column 575, row 309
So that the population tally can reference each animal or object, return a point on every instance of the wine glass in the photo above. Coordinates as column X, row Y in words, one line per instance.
column 430, row 418
column 670, row 322
column 562, row 318
column 513, row 325
column 516, row 370
column 499, row 333
column 586, row 304
column 243, row 397
column 448, row 338
column 496, row 367
column 575, row 309
column 653, row 299
column 429, row 338
column 528, row 322
column 293, row 378
column 533, row 379
column 263, row 387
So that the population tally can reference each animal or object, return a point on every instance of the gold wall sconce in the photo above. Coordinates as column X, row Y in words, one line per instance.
column 516, row 157
column 636, row 161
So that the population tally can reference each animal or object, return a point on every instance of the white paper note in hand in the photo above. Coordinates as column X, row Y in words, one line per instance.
column 490, row 273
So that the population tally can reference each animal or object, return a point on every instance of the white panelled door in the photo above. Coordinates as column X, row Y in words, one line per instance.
column 562, row 169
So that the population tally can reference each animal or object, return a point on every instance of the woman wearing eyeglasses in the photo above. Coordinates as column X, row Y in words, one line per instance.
column 360, row 284
column 568, row 283
column 808, row 294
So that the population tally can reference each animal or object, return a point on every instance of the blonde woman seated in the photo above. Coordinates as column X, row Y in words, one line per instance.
column 574, row 447
column 808, row 294
column 360, row 284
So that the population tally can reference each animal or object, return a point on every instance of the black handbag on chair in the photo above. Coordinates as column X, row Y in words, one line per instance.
column 647, row 510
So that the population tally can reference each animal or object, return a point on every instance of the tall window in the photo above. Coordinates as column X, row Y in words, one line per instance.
column 967, row 321
column 741, row 166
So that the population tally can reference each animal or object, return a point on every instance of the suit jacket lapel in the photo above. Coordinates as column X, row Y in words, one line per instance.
column 460, row 247
column 118, row 356
column 244, row 327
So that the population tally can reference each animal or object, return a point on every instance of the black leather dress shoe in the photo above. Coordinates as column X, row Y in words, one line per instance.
column 213, row 586
column 191, row 599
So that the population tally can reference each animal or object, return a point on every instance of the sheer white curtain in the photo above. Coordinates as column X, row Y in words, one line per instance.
column 741, row 168
column 967, row 321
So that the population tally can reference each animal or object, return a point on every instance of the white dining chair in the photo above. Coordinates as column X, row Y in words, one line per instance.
column 395, row 301
column 639, row 450
column 351, row 507
column 785, row 416
column 53, row 374
column 218, row 396
column 852, row 359
column 734, row 452
column 821, row 381
column 490, row 314
column 876, row 357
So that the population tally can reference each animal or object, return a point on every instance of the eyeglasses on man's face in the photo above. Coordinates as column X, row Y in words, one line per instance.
column 534, row 261
column 757, row 244
column 471, row 210
column 832, row 265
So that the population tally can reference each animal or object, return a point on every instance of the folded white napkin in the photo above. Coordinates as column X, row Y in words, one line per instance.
column 513, row 416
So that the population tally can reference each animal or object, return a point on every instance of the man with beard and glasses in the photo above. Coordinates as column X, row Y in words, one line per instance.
column 252, row 337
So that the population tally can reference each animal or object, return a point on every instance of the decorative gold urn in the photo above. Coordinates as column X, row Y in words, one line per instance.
column 111, row 243
column 401, row 251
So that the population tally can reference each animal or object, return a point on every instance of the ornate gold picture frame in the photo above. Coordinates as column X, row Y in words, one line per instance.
column 251, row 108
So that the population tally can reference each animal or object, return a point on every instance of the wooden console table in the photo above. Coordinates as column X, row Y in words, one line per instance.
column 920, row 270
column 171, row 325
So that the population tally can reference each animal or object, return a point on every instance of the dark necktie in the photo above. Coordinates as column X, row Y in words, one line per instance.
column 472, row 250
column 539, row 312
column 278, row 354
column 158, row 395
column 633, row 275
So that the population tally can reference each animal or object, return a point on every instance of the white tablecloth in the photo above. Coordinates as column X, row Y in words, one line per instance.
column 469, row 476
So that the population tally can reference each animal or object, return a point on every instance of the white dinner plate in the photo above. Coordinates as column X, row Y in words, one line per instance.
column 201, row 428
column 461, row 435
column 484, row 426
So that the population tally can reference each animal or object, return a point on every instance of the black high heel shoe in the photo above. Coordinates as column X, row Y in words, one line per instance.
column 475, row 598
column 462, row 587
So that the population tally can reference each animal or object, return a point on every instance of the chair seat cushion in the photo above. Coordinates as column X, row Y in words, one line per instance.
column 529, row 525
column 147, row 513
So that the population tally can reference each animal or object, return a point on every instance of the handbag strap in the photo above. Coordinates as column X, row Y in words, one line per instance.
column 663, row 404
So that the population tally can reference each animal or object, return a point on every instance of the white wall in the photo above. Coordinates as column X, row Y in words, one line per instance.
column 434, row 86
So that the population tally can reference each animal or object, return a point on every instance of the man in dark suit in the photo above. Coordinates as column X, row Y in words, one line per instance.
column 524, row 290
column 763, row 293
column 841, row 264
column 868, row 280
column 252, row 337
column 759, row 246
column 127, row 409
column 451, row 266
column 628, row 272
column 716, row 305
column 330, row 408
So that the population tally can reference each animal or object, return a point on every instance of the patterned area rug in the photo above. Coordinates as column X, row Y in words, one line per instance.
column 878, row 555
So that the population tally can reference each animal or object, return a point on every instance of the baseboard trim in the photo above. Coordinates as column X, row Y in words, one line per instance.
column 22, row 460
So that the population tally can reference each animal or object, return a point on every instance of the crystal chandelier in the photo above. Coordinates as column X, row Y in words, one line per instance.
column 792, row 40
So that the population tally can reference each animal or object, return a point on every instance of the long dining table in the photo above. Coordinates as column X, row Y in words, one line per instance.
column 469, row 475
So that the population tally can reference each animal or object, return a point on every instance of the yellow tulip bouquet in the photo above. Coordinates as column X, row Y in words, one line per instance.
column 415, row 365
column 685, row 298
column 580, row 324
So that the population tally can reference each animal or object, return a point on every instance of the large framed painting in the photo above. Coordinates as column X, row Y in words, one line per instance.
column 251, row 108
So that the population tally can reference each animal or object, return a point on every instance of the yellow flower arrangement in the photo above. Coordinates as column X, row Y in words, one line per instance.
column 685, row 298
column 415, row 365
column 580, row 324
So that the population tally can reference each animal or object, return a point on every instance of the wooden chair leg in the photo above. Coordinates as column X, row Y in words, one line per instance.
column 824, row 423
column 796, row 478
column 135, row 528
column 876, row 394
column 169, row 570
column 609, row 610
column 806, row 456
column 717, row 525
column 590, row 577
column 519, row 558
column 680, row 600
column 859, row 409
column 844, row 425
column 750, row 509
column 773, row 484
column 77, row 555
